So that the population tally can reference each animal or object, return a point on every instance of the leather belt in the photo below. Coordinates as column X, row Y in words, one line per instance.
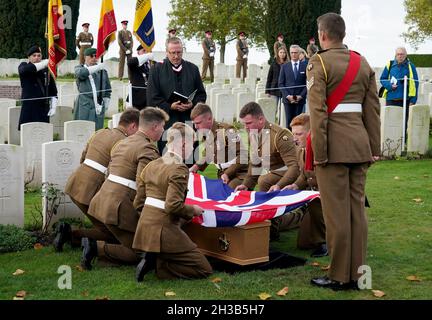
column 96, row 166
column 85, row 43
column 348, row 107
column 123, row 181
column 160, row 204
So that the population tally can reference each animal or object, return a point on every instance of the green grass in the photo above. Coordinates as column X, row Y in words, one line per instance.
column 400, row 245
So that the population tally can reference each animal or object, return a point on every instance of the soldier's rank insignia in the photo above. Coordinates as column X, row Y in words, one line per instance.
column 310, row 83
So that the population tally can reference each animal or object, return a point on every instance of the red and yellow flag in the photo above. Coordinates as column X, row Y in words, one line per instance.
column 56, row 36
column 107, row 27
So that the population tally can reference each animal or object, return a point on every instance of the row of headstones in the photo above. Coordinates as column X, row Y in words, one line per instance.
column 254, row 71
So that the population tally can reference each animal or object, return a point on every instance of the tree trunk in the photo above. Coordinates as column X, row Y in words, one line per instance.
column 222, row 51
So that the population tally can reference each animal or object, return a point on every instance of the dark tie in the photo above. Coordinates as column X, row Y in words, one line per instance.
column 295, row 71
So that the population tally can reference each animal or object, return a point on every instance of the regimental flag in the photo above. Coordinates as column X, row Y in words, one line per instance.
column 225, row 208
column 55, row 35
column 107, row 27
column 143, row 25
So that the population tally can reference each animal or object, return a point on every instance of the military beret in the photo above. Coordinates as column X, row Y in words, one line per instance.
column 33, row 49
column 89, row 51
column 208, row 32
column 172, row 30
column 86, row 24
column 124, row 22
column 140, row 47
column 280, row 35
column 241, row 33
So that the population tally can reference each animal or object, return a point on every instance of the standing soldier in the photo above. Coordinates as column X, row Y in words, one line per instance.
column 84, row 41
column 172, row 33
column 242, row 55
column 83, row 184
column 209, row 48
column 113, row 204
column 94, row 90
column 345, row 130
column 279, row 44
column 125, row 42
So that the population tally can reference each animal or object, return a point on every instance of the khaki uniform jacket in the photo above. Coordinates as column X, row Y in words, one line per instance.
column 85, row 37
column 159, row 230
column 208, row 46
column 113, row 204
column 306, row 179
column 83, row 184
column 343, row 137
column 125, row 40
column 224, row 136
column 242, row 49
column 282, row 153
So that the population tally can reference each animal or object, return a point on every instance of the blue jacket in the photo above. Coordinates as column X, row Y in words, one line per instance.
column 399, row 71
column 286, row 79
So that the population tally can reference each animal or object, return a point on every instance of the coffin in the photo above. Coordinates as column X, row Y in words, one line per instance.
column 240, row 245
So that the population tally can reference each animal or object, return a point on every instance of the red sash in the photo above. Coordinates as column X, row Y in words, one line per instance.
column 333, row 99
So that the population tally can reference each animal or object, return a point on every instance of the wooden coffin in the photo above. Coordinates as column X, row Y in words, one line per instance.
column 240, row 245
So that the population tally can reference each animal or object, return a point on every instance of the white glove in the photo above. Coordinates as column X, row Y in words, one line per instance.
column 96, row 68
column 128, row 52
column 211, row 54
column 245, row 56
column 106, row 102
column 53, row 107
column 98, row 109
column 41, row 65
column 144, row 58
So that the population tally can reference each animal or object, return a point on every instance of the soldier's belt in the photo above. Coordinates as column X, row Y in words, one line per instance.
column 127, row 42
column 96, row 166
column 160, row 204
column 266, row 171
column 85, row 43
column 348, row 107
column 123, row 181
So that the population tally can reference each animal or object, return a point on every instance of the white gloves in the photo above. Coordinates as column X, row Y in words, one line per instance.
column 128, row 52
column 106, row 102
column 41, row 65
column 245, row 56
column 211, row 54
column 144, row 58
column 98, row 109
column 53, row 107
column 96, row 68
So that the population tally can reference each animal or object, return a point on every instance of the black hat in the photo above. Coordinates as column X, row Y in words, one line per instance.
column 124, row 22
column 241, row 33
column 172, row 30
column 140, row 47
column 208, row 32
column 85, row 24
column 33, row 49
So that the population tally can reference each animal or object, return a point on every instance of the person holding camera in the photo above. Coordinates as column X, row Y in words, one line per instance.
column 292, row 81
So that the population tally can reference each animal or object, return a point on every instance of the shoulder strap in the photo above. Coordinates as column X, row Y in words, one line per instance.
column 338, row 94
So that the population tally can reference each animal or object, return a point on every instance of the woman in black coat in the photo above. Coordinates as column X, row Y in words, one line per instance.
column 273, row 75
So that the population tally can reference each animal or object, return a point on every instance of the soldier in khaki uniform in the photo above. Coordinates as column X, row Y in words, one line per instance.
column 346, row 140
column 242, row 55
column 272, row 151
column 125, row 42
column 209, row 48
column 84, row 41
column 279, row 44
column 312, row 228
column 220, row 144
column 83, row 184
column 113, row 204
column 159, row 228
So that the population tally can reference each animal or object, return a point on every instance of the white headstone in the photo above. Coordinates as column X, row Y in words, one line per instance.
column 242, row 99
column 236, row 91
column 268, row 106
column 213, row 92
column 221, row 71
column 235, row 81
column 11, row 185
column 13, row 133
column 67, row 93
column 33, row 134
column 116, row 119
column 110, row 124
column 418, row 129
column 430, row 104
column 62, row 115
column 79, row 131
column 2, row 135
column 5, row 104
column 225, row 110
column 59, row 160
column 116, row 94
column 231, row 71
column 227, row 86
column 391, row 130
column 252, row 72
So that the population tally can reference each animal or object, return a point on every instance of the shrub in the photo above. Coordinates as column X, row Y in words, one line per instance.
column 13, row 238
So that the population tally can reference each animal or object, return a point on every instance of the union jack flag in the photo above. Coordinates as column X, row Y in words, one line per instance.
column 225, row 208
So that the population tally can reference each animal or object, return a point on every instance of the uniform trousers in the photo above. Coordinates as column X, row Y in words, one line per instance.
column 208, row 64
column 241, row 64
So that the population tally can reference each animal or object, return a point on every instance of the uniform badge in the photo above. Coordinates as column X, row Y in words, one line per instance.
column 310, row 83
column 310, row 66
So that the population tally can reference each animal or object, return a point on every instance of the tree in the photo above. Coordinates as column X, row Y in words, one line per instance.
column 23, row 24
column 418, row 19
column 296, row 20
column 224, row 18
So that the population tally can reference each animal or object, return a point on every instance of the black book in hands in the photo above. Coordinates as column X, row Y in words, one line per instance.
column 175, row 96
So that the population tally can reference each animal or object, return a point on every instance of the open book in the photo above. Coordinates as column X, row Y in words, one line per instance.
column 175, row 96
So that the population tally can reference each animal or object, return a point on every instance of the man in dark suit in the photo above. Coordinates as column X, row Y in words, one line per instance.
column 292, row 80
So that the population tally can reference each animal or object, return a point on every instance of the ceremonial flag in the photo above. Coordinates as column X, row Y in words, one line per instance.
column 55, row 35
column 143, row 24
column 107, row 27
column 225, row 208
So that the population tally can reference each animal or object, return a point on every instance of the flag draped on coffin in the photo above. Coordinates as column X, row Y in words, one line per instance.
column 55, row 35
column 225, row 208
column 107, row 27
column 143, row 24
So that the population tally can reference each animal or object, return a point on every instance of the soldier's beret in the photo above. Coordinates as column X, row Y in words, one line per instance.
column 241, row 33
column 208, row 32
column 86, row 24
column 172, row 30
column 124, row 22
column 89, row 51
column 279, row 35
column 140, row 47
column 33, row 49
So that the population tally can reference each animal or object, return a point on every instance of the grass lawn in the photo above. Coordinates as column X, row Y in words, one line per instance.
column 400, row 245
